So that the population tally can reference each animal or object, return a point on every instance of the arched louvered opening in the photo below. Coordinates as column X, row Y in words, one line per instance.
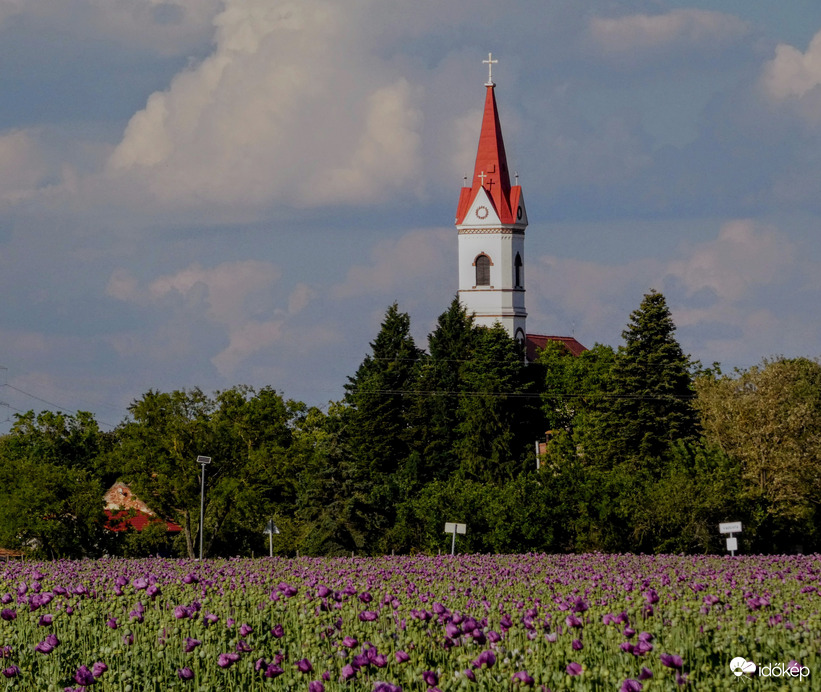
column 518, row 271
column 482, row 264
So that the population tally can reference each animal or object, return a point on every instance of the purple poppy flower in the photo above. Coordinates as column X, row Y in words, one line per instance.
column 191, row 644
column 642, row 648
column 83, row 676
column 573, row 668
column 645, row 674
column 128, row 639
column 627, row 647
column 5, row 651
column 245, row 630
column 493, row 637
column 44, row 648
column 630, row 685
column 304, row 665
column 671, row 661
column 486, row 658
column 278, row 631
column 316, row 686
column 210, row 619
column 368, row 616
column 243, row 646
column 386, row 687
column 153, row 591
column 112, row 623
column 227, row 660
column 430, row 677
column 180, row 612
column 98, row 669
column 401, row 656
column 8, row 614
column 628, row 632
column 469, row 674
column 348, row 672
column 523, row 678
column 577, row 645
column 573, row 621
column 11, row 671
column 185, row 673
column 273, row 671
column 349, row 642
column 140, row 583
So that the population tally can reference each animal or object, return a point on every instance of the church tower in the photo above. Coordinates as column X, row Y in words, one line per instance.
column 491, row 221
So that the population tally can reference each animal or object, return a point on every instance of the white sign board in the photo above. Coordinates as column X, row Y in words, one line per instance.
column 454, row 528
column 730, row 527
column 732, row 544
column 271, row 528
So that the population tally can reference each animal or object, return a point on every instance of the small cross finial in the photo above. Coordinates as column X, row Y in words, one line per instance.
column 482, row 175
column 490, row 63
column 516, row 175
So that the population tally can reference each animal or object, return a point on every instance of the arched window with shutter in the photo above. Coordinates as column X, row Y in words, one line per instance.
column 482, row 264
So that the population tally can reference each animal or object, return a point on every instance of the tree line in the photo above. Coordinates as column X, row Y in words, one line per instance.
column 644, row 450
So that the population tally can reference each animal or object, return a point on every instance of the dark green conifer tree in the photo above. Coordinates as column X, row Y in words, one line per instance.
column 375, row 436
column 651, row 386
column 433, row 414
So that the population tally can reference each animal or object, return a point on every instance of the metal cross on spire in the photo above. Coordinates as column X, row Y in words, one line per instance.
column 490, row 62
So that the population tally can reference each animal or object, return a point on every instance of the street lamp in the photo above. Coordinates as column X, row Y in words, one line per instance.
column 202, row 461
column 271, row 529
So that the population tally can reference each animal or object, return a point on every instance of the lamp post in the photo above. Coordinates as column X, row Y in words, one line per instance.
column 202, row 461
column 271, row 529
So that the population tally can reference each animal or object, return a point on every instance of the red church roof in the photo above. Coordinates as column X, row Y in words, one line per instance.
column 536, row 342
column 124, row 519
column 491, row 170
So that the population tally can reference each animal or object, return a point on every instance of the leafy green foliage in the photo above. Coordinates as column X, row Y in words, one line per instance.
column 50, row 495
column 637, row 458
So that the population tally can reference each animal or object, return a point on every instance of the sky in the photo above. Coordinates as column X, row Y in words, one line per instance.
column 206, row 193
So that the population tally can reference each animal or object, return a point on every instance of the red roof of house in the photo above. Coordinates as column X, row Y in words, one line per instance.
column 124, row 520
column 491, row 170
column 536, row 342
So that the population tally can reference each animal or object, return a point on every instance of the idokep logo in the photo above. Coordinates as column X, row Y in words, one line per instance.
column 739, row 666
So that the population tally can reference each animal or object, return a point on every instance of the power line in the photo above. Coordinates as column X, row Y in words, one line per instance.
column 48, row 403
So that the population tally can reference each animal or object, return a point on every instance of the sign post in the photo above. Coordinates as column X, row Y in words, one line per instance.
column 454, row 529
column 271, row 529
column 731, row 527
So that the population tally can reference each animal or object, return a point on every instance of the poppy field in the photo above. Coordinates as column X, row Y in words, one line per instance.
column 472, row 622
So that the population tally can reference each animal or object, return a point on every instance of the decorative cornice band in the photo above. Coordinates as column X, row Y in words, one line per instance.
column 497, row 230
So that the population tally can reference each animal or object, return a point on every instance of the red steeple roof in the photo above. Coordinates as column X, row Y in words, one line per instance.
column 491, row 170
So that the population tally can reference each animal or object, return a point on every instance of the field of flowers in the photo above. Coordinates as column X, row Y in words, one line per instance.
column 583, row 622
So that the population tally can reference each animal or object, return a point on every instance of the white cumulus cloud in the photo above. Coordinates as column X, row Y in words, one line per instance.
column 634, row 36
column 791, row 72
column 742, row 257
column 274, row 114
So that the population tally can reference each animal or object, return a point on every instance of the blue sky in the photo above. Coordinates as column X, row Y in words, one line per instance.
column 209, row 193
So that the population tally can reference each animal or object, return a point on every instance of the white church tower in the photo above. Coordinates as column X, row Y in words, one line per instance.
column 491, row 221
